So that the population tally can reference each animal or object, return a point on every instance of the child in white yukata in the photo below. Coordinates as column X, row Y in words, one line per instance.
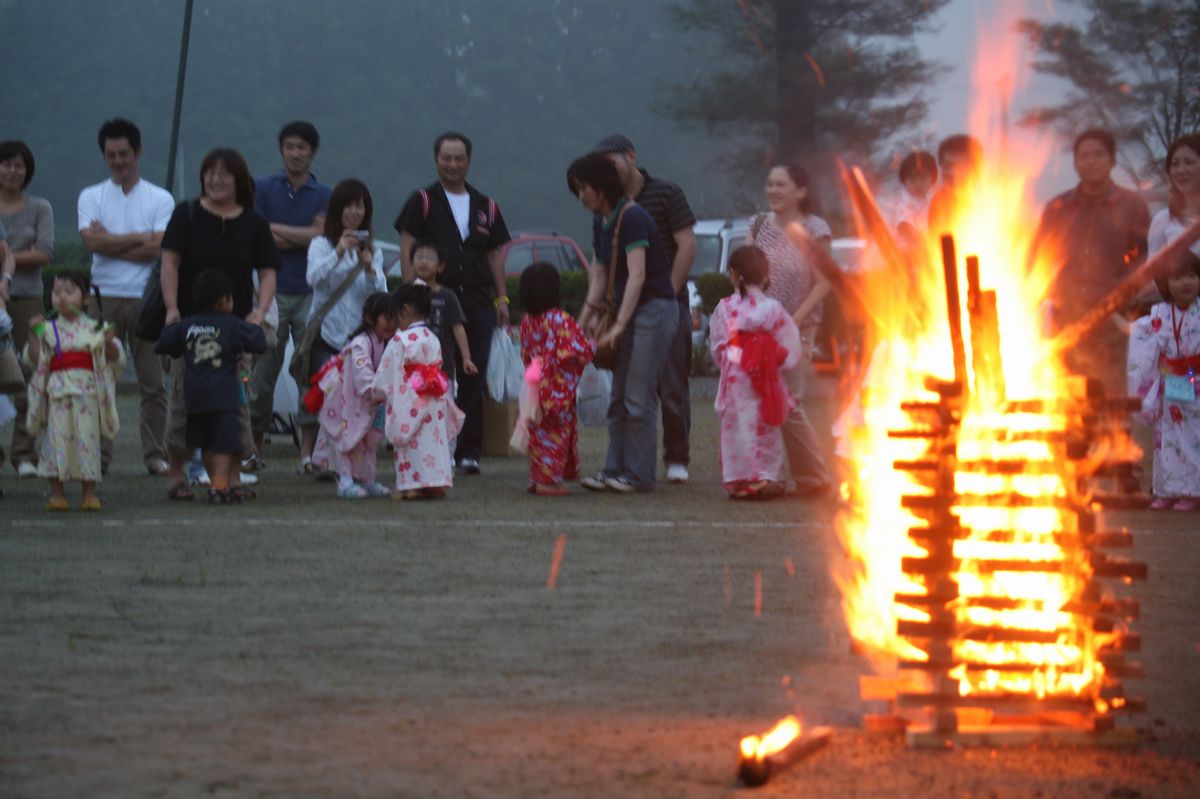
column 72, row 394
column 421, row 418
column 1164, row 360
column 753, row 340
column 351, row 418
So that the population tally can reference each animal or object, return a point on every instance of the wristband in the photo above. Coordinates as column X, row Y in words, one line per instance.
column 503, row 298
column 7, row 276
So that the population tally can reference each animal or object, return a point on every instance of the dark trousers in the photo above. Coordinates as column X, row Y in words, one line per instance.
column 480, row 324
column 673, row 391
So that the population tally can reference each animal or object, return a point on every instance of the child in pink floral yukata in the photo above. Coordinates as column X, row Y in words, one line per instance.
column 753, row 340
column 1164, row 360
column 350, row 417
column 72, row 393
column 551, row 335
column 421, row 418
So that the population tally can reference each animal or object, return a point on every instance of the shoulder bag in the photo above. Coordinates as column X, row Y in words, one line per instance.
column 606, row 355
column 300, row 365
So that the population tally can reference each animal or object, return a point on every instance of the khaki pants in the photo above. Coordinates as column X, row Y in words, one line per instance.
column 24, row 447
column 121, row 313
column 293, row 317
column 177, row 429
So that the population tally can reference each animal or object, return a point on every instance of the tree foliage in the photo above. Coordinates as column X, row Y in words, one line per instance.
column 797, row 79
column 1133, row 67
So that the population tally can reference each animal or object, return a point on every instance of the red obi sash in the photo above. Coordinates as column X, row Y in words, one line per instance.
column 1179, row 366
column 427, row 379
column 761, row 358
column 75, row 359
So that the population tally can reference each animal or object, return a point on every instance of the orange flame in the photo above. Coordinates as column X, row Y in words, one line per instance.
column 993, row 218
column 755, row 747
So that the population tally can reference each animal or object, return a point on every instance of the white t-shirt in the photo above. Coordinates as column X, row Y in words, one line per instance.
column 460, row 206
column 145, row 209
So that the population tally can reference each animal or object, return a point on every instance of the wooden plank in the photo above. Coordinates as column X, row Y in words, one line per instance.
column 1002, row 735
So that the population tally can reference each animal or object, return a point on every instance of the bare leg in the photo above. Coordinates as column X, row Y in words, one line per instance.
column 222, row 465
column 56, row 489
column 308, row 439
column 89, row 490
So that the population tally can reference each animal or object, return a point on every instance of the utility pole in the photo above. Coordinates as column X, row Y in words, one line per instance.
column 183, row 55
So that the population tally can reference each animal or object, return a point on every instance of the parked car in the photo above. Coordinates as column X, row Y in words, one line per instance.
column 525, row 248
column 531, row 246
column 715, row 240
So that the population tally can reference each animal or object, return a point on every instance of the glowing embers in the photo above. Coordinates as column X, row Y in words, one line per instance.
column 761, row 756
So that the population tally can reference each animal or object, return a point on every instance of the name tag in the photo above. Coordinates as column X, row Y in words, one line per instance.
column 380, row 411
column 1180, row 388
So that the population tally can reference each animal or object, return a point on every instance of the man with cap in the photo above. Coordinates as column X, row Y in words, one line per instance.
column 669, row 208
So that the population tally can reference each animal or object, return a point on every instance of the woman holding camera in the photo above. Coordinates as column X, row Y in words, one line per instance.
column 332, row 259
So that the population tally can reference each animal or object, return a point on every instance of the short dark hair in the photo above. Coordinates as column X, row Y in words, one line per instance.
column 960, row 144
column 232, row 160
column 77, row 276
column 209, row 287
column 1175, row 199
column 540, row 288
column 1184, row 261
column 375, row 306
column 751, row 265
column 305, row 130
column 428, row 244
column 419, row 297
column 1097, row 134
column 596, row 170
column 11, row 149
column 451, row 135
column 343, row 194
column 120, row 128
column 918, row 162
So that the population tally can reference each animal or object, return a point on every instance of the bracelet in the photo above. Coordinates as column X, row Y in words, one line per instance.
column 503, row 298
column 595, row 306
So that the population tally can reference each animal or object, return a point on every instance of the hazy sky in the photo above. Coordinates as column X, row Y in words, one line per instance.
column 959, row 43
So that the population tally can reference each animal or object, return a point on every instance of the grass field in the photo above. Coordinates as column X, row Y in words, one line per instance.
column 301, row 645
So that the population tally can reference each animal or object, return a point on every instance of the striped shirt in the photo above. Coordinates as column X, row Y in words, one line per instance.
column 668, row 207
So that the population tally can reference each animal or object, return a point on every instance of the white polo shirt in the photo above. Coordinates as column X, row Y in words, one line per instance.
column 145, row 209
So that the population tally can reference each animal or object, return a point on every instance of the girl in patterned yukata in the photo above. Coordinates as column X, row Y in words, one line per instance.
column 351, row 419
column 1164, row 359
column 421, row 418
column 754, row 341
column 72, row 394
column 553, row 336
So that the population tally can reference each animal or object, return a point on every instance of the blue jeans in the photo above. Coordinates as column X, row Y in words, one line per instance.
column 480, row 323
column 633, row 413
column 673, row 390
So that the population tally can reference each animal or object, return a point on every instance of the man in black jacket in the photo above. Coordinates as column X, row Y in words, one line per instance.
column 471, row 230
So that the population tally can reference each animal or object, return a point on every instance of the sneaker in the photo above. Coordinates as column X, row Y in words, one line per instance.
column 351, row 491
column 157, row 468
column 677, row 473
column 25, row 470
column 469, row 466
column 620, row 485
column 1162, row 503
column 253, row 464
column 197, row 475
column 594, row 482
column 375, row 490
column 305, row 466
column 248, row 479
column 1186, row 505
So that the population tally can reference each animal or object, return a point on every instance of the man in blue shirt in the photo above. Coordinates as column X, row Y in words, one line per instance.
column 294, row 202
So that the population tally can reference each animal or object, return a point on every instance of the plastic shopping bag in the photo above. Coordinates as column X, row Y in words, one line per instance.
column 530, row 407
column 505, row 371
column 593, row 396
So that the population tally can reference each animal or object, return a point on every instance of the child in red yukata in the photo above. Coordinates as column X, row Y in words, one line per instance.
column 549, row 333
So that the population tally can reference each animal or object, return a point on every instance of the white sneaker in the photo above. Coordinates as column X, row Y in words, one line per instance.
column 677, row 473
column 248, row 478
column 25, row 470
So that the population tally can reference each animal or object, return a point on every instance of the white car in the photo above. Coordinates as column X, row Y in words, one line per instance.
column 715, row 240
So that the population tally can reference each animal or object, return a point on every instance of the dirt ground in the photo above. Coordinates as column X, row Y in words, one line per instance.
column 304, row 646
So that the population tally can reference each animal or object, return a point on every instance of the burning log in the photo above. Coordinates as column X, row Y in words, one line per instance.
column 784, row 745
column 1128, row 288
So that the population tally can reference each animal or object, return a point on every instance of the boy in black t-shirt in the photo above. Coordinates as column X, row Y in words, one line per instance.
column 211, row 342
column 446, row 314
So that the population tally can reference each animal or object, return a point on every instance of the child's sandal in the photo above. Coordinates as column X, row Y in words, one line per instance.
column 180, row 491
column 547, row 490
column 58, row 504
column 91, row 503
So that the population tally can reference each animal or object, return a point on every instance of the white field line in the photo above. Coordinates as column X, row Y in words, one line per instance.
column 272, row 523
